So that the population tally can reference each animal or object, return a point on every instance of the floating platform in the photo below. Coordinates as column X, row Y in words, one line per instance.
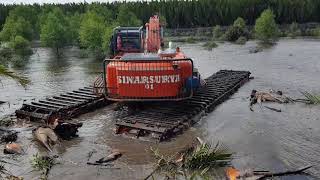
column 162, row 121
column 64, row 106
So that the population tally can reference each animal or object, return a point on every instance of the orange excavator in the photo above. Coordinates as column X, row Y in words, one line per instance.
column 140, row 69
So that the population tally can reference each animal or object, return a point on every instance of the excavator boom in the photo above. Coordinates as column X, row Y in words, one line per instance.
column 154, row 35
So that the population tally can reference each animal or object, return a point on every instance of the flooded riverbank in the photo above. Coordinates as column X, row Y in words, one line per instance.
column 261, row 140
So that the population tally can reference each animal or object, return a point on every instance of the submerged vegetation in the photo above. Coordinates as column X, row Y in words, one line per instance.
column 311, row 98
column 4, row 72
column 195, row 160
column 21, row 46
column 266, row 28
column 42, row 164
column 54, row 30
column 206, row 156
column 210, row 45
column 294, row 30
column 237, row 30
column 191, row 40
column 6, row 121
column 241, row 40
column 217, row 32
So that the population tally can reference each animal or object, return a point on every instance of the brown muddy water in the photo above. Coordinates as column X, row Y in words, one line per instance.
column 261, row 140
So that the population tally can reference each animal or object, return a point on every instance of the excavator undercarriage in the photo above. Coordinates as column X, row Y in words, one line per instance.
column 155, row 120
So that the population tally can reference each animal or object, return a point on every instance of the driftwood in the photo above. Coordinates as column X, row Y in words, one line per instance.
column 301, row 100
column 112, row 157
column 105, row 161
column 99, row 164
column 260, row 97
column 260, row 175
column 285, row 173
column 273, row 109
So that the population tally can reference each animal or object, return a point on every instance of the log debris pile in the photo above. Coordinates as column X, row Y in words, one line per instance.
column 258, row 97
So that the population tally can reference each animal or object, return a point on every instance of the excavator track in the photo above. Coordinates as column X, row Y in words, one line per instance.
column 157, row 120
column 64, row 106
column 162, row 121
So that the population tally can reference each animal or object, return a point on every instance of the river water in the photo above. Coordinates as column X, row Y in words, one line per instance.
column 261, row 140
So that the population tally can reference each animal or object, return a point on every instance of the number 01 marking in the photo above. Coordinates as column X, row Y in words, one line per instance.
column 148, row 86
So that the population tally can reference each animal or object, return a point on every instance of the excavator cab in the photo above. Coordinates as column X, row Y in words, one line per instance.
column 126, row 40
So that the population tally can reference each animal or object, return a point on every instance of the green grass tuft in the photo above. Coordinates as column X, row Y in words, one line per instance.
column 22, row 80
column 210, row 45
column 206, row 156
column 6, row 121
column 311, row 98
column 42, row 164
column 241, row 40
column 196, row 160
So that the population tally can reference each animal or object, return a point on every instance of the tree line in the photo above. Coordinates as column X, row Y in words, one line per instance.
column 57, row 26
column 90, row 25
column 195, row 13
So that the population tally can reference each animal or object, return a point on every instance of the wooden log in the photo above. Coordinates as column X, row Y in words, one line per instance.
column 285, row 173
column 273, row 109
column 111, row 157
column 98, row 164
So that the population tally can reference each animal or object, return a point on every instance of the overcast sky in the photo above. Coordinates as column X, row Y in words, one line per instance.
column 50, row 1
